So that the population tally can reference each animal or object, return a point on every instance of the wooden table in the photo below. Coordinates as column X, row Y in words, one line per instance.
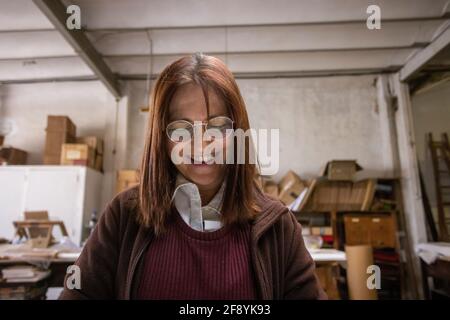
column 321, row 256
column 57, row 264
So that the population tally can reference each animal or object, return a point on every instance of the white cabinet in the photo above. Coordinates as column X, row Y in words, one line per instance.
column 68, row 193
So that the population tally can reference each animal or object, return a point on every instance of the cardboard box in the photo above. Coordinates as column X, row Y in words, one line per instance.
column 92, row 141
column 271, row 188
column 356, row 230
column 290, row 187
column 126, row 179
column 53, row 143
column 13, row 156
column 97, row 145
column 60, row 130
column 289, row 179
column 77, row 154
column 341, row 170
column 322, row 231
column 378, row 231
column 61, row 123
column 383, row 230
column 52, row 159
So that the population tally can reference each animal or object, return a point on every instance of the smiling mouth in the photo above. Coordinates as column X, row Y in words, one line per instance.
column 205, row 160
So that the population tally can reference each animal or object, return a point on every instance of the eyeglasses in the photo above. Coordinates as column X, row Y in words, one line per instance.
column 183, row 131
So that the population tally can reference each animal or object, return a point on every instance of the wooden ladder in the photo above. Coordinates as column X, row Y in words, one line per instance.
column 440, row 154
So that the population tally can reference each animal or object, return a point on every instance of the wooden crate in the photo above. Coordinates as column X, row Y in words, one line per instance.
column 356, row 230
column 383, row 231
column 376, row 230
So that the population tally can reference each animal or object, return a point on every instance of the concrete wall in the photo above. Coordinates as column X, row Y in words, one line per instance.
column 24, row 108
column 319, row 119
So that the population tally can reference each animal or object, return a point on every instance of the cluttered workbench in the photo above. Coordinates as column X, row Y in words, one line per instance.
column 35, row 269
column 29, row 272
column 38, row 261
column 35, row 260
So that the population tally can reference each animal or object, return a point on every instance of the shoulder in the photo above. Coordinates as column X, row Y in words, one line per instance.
column 274, row 214
column 127, row 198
column 123, row 206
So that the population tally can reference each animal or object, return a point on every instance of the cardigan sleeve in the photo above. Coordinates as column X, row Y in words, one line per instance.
column 97, row 262
column 301, row 281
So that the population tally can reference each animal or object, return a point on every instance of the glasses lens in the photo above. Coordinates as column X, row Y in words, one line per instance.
column 179, row 131
column 219, row 125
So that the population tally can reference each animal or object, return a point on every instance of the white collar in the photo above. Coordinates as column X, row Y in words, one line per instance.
column 186, row 198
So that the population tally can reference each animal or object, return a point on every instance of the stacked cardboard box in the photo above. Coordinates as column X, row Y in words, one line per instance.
column 77, row 154
column 97, row 145
column 335, row 190
column 341, row 170
column 271, row 188
column 288, row 190
column 126, row 179
column 290, row 187
column 60, row 130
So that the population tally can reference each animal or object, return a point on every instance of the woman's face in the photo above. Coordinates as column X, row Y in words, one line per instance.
column 189, row 104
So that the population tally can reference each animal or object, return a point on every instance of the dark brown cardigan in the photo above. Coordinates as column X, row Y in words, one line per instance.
column 111, row 261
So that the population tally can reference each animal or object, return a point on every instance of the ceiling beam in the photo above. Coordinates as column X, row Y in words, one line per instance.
column 262, row 25
column 419, row 61
column 56, row 13
column 417, row 19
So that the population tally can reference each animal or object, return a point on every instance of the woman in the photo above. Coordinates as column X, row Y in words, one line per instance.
column 195, row 227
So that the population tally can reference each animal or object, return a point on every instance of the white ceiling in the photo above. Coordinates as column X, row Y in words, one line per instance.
column 254, row 37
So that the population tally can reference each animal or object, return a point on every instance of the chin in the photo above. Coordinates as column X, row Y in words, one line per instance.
column 203, row 175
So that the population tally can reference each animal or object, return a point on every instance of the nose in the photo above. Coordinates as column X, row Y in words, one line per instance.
column 198, row 143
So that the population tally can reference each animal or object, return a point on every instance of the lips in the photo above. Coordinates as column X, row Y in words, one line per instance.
column 205, row 160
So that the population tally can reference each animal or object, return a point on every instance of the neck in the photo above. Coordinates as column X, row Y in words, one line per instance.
column 208, row 193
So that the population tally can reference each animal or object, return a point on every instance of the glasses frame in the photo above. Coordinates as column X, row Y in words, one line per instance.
column 193, row 125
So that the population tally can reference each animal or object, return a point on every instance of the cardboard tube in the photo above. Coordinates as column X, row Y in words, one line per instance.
column 358, row 259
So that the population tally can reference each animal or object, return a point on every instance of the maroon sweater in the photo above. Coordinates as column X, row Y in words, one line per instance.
column 188, row 264
column 112, row 261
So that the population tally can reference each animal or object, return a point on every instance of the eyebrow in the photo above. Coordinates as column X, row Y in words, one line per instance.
column 190, row 120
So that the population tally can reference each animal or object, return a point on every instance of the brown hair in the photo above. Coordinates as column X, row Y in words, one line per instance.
column 158, row 173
